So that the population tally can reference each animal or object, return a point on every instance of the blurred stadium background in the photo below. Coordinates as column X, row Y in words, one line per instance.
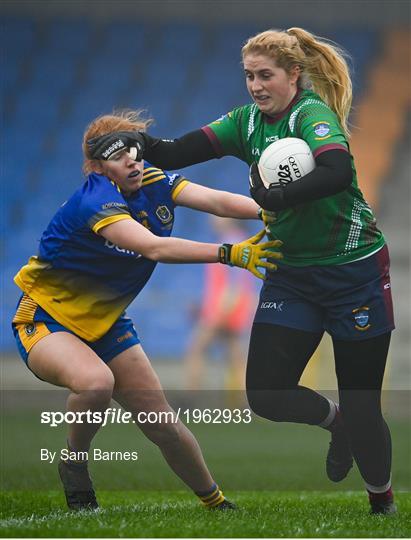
column 64, row 63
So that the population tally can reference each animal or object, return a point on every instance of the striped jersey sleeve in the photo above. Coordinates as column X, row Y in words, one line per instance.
column 103, row 205
column 174, row 183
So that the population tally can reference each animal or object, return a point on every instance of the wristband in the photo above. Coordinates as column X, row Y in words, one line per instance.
column 224, row 254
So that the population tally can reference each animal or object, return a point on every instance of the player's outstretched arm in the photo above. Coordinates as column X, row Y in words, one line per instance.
column 193, row 147
column 249, row 254
column 217, row 202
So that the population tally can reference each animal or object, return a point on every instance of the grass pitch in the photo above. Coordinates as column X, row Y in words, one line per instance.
column 178, row 514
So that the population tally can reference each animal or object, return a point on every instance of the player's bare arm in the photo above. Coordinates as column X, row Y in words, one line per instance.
column 249, row 254
column 219, row 203
column 131, row 235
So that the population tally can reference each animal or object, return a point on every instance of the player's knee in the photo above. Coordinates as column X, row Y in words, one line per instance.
column 97, row 383
column 257, row 401
column 268, row 404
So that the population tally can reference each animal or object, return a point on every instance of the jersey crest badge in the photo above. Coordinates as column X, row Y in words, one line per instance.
column 321, row 129
column 30, row 329
column 220, row 119
column 164, row 214
column 361, row 318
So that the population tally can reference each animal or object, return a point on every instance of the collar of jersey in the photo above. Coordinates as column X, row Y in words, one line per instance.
column 273, row 119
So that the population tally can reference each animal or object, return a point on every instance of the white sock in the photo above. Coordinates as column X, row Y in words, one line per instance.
column 329, row 419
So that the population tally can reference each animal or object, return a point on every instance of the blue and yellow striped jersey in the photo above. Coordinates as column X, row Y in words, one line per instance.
column 81, row 279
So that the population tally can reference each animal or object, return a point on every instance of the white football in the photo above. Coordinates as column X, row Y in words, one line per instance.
column 284, row 161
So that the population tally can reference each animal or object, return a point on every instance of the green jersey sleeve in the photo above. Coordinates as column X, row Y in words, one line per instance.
column 226, row 134
column 318, row 125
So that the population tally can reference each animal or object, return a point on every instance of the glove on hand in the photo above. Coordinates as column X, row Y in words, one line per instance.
column 250, row 254
column 271, row 198
column 107, row 146
column 267, row 217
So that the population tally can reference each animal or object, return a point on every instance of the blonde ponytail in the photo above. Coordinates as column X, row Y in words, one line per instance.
column 328, row 72
column 323, row 66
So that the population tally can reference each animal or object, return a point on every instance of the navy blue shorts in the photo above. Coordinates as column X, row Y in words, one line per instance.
column 349, row 301
column 32, row 323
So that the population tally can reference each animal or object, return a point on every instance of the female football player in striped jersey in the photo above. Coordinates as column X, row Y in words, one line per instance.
column 335, row 273
column 96, row 255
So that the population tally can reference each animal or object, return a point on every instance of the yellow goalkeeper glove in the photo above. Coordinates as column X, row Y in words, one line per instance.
column 267, row 216
column 250, row 254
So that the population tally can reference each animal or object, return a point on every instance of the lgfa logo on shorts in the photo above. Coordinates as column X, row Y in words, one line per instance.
column 278, row 306
column 361, row 317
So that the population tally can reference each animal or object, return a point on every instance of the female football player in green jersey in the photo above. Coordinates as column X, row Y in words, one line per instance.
column 335, row 273
column 94, row 258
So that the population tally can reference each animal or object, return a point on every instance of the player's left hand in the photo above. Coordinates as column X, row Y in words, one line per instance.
column 107, row 146
column 250, row 254
column 271, row 198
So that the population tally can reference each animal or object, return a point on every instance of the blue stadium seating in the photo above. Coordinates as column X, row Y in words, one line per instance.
column 17, row 36
column 38, row 107
column 119, row 39
column 58, row 75
column 53, row 73
column 69, row 37
column 11, row 73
